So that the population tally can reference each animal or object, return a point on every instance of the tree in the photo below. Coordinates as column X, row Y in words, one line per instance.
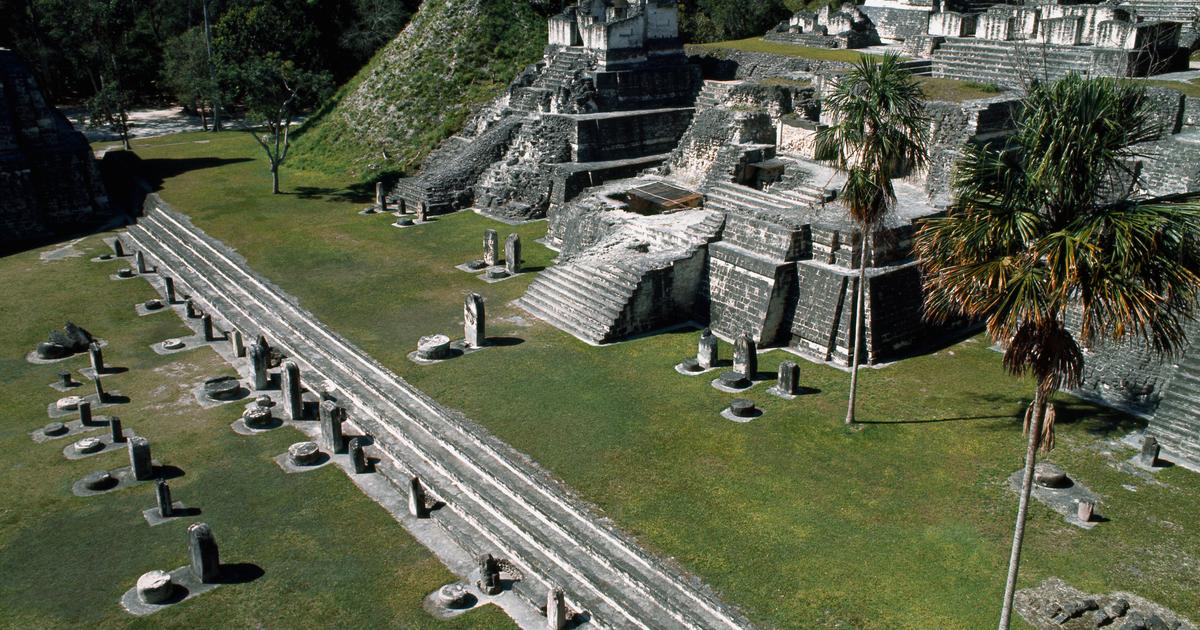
column 187, row 73
column 1049, row 222
column 878, row 134
column 266, row 62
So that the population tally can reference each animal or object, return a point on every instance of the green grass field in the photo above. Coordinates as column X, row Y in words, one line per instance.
column 902, row 524
column 760, row 45
column 327, row 551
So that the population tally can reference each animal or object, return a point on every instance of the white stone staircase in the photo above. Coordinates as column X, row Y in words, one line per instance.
column 713, row 94
column 1176, row 423
column 731, row 197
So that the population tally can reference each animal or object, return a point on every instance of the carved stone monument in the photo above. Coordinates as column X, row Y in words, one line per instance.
column 358, row 457
column 258, row 363
column 192, row 311
column 745, row 356
column 491, row 247
column 293, row 404
column 489, row 575
column 556, row 609
column 116, row 432
column 96, row 356
column 170, row 286
column 207, row 322
column 512, row 254
column 205, row 557
column 1085, row 511
column 416, row 498
column 706, row 353
column 788, row 382
column 139, row 458
column 162, row 494
column 139, row 261
column 332, row 416
column 239, row 344
column 85, row 413
column 1150, row 451
column 380, row 198
column 474, row 321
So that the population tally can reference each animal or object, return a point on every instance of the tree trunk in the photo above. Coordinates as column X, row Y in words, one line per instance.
column 858, row 326
column 1014, row 560
column 274, row 179
column 203, row 115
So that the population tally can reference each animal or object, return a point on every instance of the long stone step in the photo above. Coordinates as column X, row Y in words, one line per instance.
column 593, row 314
column 598, row 283
column 547, row 534
column 546, row 311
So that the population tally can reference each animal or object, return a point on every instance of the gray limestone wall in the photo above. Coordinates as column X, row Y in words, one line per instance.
column 897, row 22
column 49, row 181
column 577, row 226
column 725, row 64
column 665, row 296
column 648, row 88
column 602, row 137
column 951, row 127
column 824, row 303
column 715, row 132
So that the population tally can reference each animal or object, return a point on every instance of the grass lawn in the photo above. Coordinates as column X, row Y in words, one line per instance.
column 903, row 524
column 941, row 89
column 760, row 45
column 326, row 550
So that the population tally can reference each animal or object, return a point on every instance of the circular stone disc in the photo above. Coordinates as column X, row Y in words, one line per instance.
column 222, row 388
column 733, row 379
column 55, row 428
column 741, row 407
column 155, row 587
column 99, row 480
column 125, row 273
column 1048, row 475
column 89, row 445
column 304, row 453
column 70, row 403
column 153, row 305
column 257, row 417
column 496, row 274
column 172, row 344
column 453, row 596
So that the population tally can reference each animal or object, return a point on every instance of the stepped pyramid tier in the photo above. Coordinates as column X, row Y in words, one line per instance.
column 844, row 27
column 611, row 98
column 48, row 176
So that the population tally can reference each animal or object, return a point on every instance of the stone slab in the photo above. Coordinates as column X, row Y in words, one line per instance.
column 109, row 446
column 124, row 477
column 74, row 428
column 718, row 385
column 109, row 370
column 679, row 368
column 113, row 397
column 239, row 427
column 186, row 585
column 1062, row 500
column 190, row 342
column 466, row 268
column 209, row 403
column 179, row 512
column 59, row 387
column 483, row 276
column 779, row 393
column 458, row 348
column 286, row 464
column 728, row 415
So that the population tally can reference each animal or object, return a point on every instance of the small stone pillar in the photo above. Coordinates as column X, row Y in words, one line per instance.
column 115, row 430
column 1085, row 510
column 101, row 396
column 139, row 261
column 789, row 378
column 512, row 254
column 491, row 247
column 162, row 493
column 205, row 556
column 239, row 344
column 139, row 458
column 118, row 247
column 358, row 457
column 258, row 363
column 85, row 413
column 64, row 379
column 170, row 285
column 207, row 322
column 192, row 311
column 380, row 198
column 745, row 356
column 422, row 212
column 332, row 416
column 293, row 403
column 1150, row 451
column 556, row 609
column 489, row 575
column 416, row 498
column 706, row 352
column 96, row 356
column 474, row 321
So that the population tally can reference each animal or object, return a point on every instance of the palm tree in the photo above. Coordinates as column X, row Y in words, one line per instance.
column 1049, row 223
column 878, row 134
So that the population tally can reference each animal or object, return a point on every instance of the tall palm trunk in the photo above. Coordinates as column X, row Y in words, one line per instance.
column 1014, row 560
column 858, row 325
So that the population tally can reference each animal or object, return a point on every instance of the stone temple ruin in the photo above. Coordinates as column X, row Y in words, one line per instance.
column 688, row 190
column 48, row 176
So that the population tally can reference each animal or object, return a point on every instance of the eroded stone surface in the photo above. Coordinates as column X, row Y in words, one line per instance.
column 155, row 587
column 304, row 453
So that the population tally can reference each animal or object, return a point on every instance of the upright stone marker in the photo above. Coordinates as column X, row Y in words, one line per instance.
column 416, row 498
column 489, row 575
column 1150, row 451
column 474, row 321
column 332, row 416
column 380, row 198
column 64, row 379
column 118, row 247
column 206, row 558
column 208, row 327
column 491, row 247
column 293, row 403
column 139, row 261
column 170, row 285
column 162, row 492
column 706, row 352
column 358, row 457
column 745, row 356
column 139, row 458
column 239, row 344
column 101, row 396
column 192, row 311
column 789, row 378
column 258, row 363
column 556, row 609
column 512, row 254
column 422, row 212
column 85, row 413
column 96, row 355
column 1084, row 510
column 115, row 431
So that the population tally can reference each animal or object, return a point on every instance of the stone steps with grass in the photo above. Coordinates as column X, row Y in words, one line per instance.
column 713, row 94
column 1175, row 422
column 1007, row 63
column 497, row 501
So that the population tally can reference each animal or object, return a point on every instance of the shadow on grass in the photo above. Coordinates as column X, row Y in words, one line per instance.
column 239, row 573
column 362, row 192
column 938, row 420
column 503, row 342
column 156, row 170
column 168, row 472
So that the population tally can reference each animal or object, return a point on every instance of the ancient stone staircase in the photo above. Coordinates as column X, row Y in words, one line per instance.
column 1007, row 63
column 1169, row 10
column 713, row 94
column 731, row 197
column 1176, row 423
column 977, row 6
column 591, row 295
column 562, row 67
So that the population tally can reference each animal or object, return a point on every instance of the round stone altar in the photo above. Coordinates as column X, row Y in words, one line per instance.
column 70, row 403
column 742, row 408
column 454, row 596
column 304, row 453
column 496, row 273
column 734, row 380
column 1048, row 475
column 223, row 388
column 691, row 365
column 125, row 273
column 152, row 305
column 257, row 417
column 172, row 344
column 54, row 428
column 155, row 587
column 88, row 445
column 434, row 348
column 99, row 480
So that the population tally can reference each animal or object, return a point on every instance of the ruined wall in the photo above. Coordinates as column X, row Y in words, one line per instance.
column 49, row 183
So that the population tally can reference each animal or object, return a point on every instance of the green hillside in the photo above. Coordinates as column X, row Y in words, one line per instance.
column 453, row 56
